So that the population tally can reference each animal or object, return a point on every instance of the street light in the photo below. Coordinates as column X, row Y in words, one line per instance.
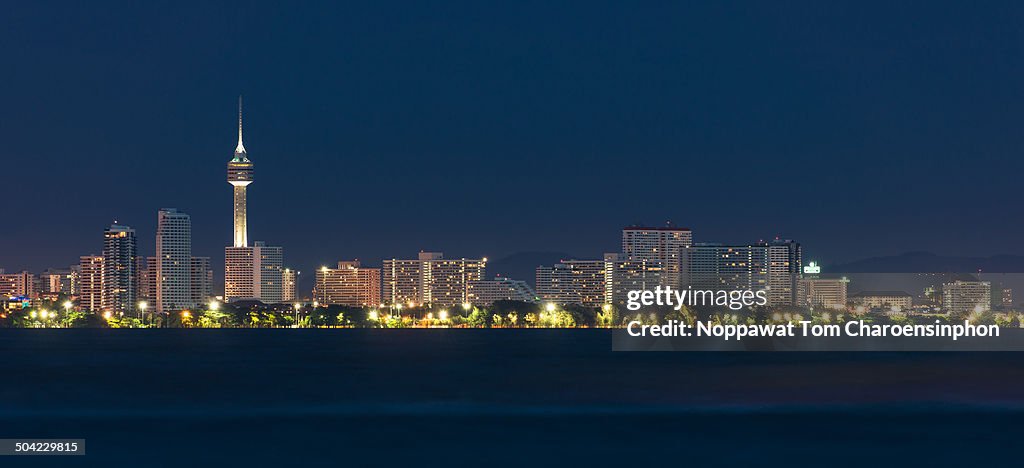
column 550, row 307
column 214, row 305
column 67, row 308
column 466, row 306
column 142, row 310
column 297, row 306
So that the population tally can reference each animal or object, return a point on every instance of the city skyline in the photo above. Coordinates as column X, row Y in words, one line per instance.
column 347, row 135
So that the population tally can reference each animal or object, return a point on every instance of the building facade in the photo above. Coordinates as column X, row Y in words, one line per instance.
column 147, row 280
column 666, row 246
column 771, row 266
column 23, row 284
column 289, row 284
column 201, row 278
column 173, row 261
column 119, row 270
column 728, row 267
column 487, row 292
column 254, row 273
column 60, row 281
column 883, row 299
column 90, row 280
column 349, row 284
column 402, row 281
column 785, row 263
column 430, row 279
column 965, row 297
column 622, row 274
column 826, row 293
column 572, row 282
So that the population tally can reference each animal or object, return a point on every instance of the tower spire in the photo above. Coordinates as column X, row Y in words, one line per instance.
column 240, row 149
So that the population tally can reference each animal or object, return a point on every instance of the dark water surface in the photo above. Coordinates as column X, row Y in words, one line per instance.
column 488, row 397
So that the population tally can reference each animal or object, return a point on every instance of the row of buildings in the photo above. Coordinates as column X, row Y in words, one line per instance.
column 121, row 281
column 667, row 257
column 430, row 279
column 650, row 257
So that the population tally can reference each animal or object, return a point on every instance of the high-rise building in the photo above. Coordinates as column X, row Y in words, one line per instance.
column 254, row 273
column 90, row 280
column 173, row 261
column 289, row 284
column 431, row 279
column 665, row 245
column 18, row 284
column 487, row 292
column 727, row 267
column 771, row 266
column 785, row 261
column 76, row 275
column 622, row 275
column 249, row 272
column 446, row 281
column 572, row 282
column 350, row 284
column 402, row 281
column 239, row 275
column 269, row 266
column 119, row 274
column 965, row 297
column 147, row 280
column 201, row 276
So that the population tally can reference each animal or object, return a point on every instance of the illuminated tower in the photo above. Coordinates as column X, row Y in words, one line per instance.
column 250, row 272
column 240, row 176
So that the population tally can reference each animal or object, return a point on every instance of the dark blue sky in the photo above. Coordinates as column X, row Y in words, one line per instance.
column 379, row 129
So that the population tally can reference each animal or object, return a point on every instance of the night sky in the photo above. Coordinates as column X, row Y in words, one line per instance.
column 379, row 129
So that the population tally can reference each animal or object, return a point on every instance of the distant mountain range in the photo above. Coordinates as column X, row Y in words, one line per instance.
column 926, row 262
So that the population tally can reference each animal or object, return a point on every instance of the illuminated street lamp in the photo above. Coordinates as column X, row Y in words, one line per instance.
column 550, row 307
column 142, row 310
column 466, row 306
column 443, row 315
column 297, row 306
column 214, row 305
